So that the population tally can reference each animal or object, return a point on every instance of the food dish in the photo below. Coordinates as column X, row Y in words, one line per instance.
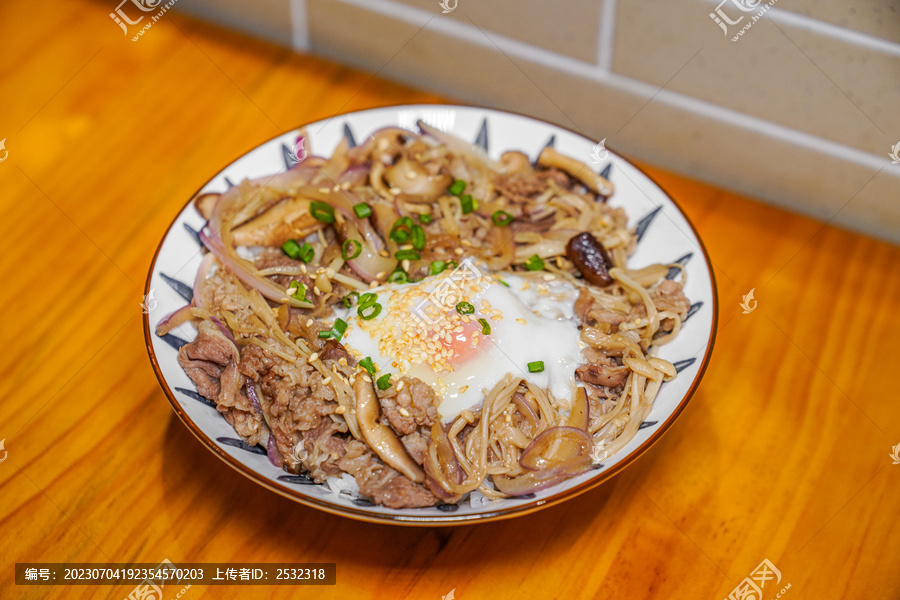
column 401, row 207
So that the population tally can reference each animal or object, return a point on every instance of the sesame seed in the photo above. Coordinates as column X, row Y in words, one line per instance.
column 342, row 361
column 309, row 322
column 383, row 253
column 326, row 381
column 458, row 251
column 463, row 389
column 340, row 410
column 549, row 277
column 401, row 385
column 466, row 243
column 313, row 357
column 404, row 412
column 406, row 265
column 317, row 291
column 379, row 274
column 303, row 268
column 334, row 456
column 324, row 190
column 373, row 285
column 508, row 418
column 522, row 321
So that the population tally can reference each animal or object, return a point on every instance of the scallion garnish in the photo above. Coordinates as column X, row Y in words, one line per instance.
column 485, row 327
column 502, row 282
column 291, row 248
column 535, row 263
column 336, row 332
column 536, row 366
column 348, row 299
column 501, row 218
column 400, row 230
column 322, row 212
column 339, row 327
column 417, row 237
column 350, row 249
column 369, row 311
column 367, row 364
column 457, row 187
column 384, row 382
column 465, row 308
column 362, row 210
column 425, row 219
column 307, row 252
column 398, row 276
column 367, row 298
column 299, row 292
column 437, row 266
column 407, row 255
column 468, row 203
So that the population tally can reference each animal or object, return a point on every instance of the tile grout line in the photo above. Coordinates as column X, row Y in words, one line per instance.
column 572, row 66
column 300, row 38
column 606, row 36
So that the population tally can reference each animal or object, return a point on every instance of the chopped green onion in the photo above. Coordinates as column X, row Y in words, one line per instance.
column 536, row 366
column 291, row 248
column 339, row 327
column 300, row 293
column 535, row 263
column 336, row 332
column 407, row 255
column 468, row 203
column 501, row 218
column 502, row 282
column 457, row 187
column 400, row 231
column 307, row 252
column 322, row 212
column 451, row 264
column 348, row 298
column 425, row 218
column 465, row 308
column 398, row 276
column 485, row 327
column 367, row 364
column 348, row 253
column 437, row 266
column 362, row 210
column 369, row 311
column 384, row 382
column 418, row 237
column 368, row 298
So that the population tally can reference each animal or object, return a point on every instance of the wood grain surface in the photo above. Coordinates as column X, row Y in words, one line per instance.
column 783, row 453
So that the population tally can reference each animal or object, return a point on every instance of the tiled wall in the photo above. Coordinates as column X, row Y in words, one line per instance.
column 801, row 111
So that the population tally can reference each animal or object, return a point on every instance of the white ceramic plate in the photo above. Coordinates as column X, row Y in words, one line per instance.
column 666, row 236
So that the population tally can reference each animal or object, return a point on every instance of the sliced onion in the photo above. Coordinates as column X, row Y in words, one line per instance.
column 580, row 415
column 461, row 147
column 254, row 397
column 182, row 315
column 222, row 328
column 248, row 274
column 200, row 279
column 273, row 452
column 558, row 449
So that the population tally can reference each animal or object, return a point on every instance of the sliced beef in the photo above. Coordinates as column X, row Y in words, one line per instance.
column 211, row 361
column 412, row 407
column 381, row 483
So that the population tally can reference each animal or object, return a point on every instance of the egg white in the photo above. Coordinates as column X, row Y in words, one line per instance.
column 530, row 320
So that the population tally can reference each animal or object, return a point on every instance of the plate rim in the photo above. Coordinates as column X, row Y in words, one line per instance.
column 450, row 519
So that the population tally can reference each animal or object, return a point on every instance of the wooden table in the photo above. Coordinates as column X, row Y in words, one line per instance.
column 781, row 455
